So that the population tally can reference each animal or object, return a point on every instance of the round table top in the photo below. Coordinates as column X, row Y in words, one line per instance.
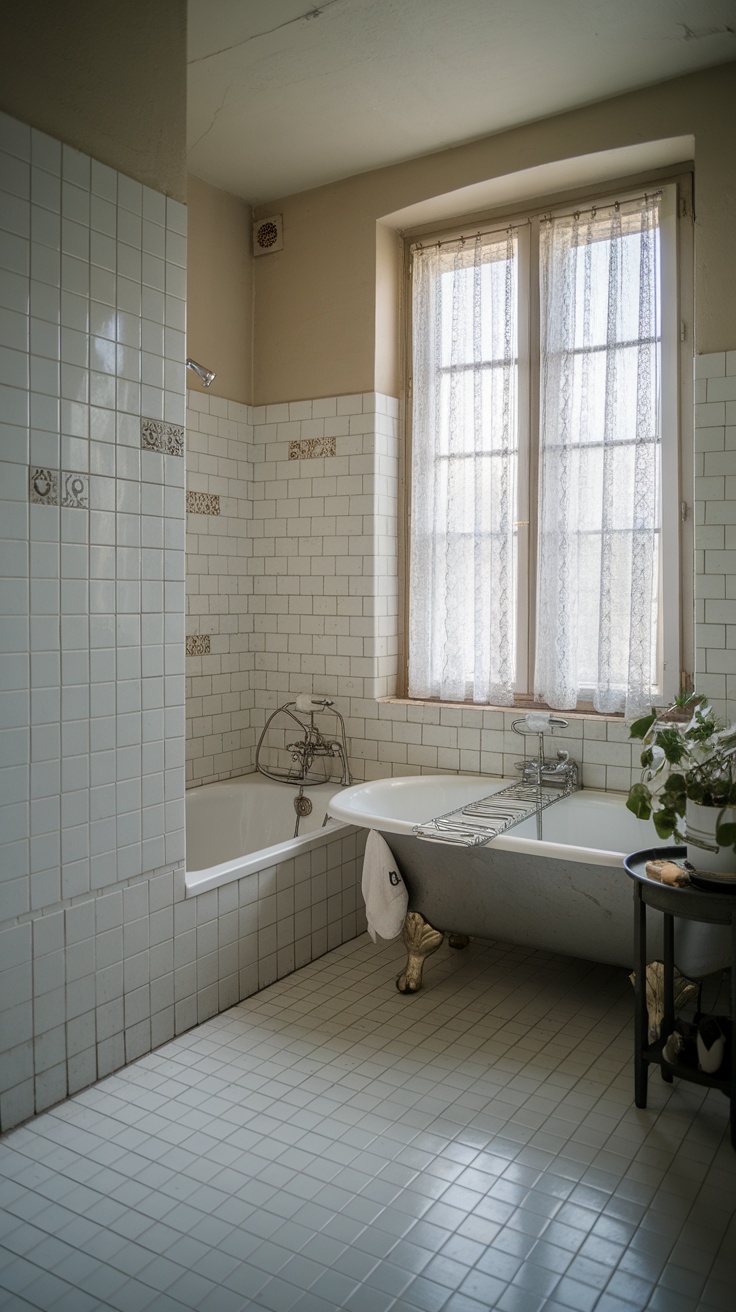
column 715, row 907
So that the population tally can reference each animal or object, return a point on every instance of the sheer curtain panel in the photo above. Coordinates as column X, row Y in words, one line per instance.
column 600, row 443
column 462, row 593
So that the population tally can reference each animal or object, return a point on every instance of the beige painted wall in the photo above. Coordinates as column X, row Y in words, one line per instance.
column 106, row 76
column 389, row 281
column 220, row 290
column 316, row 319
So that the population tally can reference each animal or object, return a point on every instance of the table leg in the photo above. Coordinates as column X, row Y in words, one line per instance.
column 640, row 998
column 732, row 1090
column 668, row 1019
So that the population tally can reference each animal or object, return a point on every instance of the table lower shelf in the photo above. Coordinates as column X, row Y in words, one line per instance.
column 653, row 1055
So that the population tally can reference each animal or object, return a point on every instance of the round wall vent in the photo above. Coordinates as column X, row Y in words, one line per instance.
column 268, row 235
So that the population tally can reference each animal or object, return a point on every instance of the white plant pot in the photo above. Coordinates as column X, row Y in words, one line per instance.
column 702, row 949
column 702, row 850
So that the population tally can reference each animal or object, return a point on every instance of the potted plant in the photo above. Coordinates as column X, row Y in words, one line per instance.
column 688, row 781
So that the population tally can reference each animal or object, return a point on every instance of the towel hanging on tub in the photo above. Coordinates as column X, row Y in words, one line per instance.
column 384, row 891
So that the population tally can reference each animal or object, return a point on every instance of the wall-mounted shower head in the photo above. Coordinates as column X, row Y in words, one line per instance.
column 205, row 374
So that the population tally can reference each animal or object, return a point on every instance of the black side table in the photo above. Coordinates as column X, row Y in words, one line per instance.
column 689, row 903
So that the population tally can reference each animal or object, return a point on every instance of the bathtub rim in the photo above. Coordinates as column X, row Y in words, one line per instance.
column 508, row 842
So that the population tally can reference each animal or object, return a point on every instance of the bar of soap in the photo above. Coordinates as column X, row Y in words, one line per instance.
column 667, row 872
column 674, row 875
column 653, row 870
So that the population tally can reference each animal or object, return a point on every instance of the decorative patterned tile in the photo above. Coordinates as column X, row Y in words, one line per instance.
column 74, row 490
column 203, row 503
column 198, row 644
column 311, row 448
column 43, row 486
column 159, row 436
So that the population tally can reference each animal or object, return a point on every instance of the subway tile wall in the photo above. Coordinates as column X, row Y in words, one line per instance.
column 325, row 602
column 92, row 320
column 308, row 600
column 219, row 661
column 715, row 532
column 324, row 549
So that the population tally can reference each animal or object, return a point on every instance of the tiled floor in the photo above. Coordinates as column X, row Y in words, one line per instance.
column 330, row 1144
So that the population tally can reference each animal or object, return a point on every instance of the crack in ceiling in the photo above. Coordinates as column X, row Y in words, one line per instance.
column 699, row 33
column 214, row 119
column 301, row 93
column 315, row 12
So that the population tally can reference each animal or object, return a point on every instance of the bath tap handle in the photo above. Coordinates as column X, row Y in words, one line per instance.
column 540, row 723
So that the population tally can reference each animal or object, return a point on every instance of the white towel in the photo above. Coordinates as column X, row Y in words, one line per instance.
column 386, row 898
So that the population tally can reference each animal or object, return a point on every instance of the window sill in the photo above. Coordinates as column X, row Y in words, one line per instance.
column 583, row 712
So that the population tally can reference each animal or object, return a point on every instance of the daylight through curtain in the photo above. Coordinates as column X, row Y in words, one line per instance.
column 599, row 516
column 464, row 470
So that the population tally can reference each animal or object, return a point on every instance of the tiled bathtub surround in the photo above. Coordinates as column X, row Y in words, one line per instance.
column 715, row 519
column 92, row 283
column 111, row 976
column 220, row 511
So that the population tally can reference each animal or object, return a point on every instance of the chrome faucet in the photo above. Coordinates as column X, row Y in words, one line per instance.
column 552, row 772
column 558, row 773
column 315, row 744
column 307, row 748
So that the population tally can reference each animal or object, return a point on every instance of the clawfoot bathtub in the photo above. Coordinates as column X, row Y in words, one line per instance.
column 566, row 892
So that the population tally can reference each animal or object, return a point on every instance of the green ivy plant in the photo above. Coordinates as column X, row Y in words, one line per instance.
column 685, row 760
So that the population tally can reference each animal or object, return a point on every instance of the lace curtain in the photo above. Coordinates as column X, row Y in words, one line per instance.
column 464, row 470
column 597, row 576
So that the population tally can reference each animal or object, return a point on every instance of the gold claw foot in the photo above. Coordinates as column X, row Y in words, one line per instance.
column 421, row 941
column 458, row 940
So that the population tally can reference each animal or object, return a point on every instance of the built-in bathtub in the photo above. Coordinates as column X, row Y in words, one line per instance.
column 241, row 826
column 567, row 892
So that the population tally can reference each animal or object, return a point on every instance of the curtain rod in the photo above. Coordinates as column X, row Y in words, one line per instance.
column 541, row 215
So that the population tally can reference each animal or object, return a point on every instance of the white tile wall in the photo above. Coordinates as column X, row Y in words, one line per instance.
column 715, row 518
column 92, row 318
column 324, row 565
column 219, row 695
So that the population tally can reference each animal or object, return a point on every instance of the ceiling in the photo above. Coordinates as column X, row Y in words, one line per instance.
column 284, row 95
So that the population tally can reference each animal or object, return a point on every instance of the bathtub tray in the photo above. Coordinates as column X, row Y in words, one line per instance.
column 480, row 822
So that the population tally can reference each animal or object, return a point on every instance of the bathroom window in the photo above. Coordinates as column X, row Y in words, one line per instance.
column 545, row 508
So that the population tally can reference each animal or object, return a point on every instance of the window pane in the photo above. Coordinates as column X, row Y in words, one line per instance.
column 599, row 531
column 464, row 471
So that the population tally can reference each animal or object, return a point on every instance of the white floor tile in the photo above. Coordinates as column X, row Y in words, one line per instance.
column 330, row 1145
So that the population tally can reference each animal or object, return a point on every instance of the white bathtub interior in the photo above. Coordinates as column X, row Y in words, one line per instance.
column 246, row 824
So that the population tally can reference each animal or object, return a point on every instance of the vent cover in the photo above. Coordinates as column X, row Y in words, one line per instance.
column 268, row 235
